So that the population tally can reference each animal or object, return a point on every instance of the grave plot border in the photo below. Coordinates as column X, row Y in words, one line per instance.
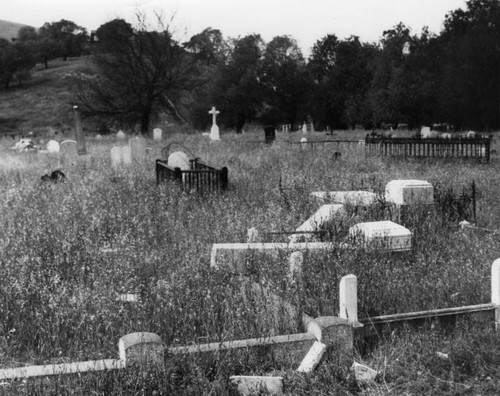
column 201, row 177
column 476, row 148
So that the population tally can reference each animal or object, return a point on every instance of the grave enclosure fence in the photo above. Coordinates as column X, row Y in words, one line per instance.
column 467, row 148
column 200, row 177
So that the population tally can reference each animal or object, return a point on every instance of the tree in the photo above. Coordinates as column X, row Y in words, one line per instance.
column 70, row 38
column 238, row 89
column 140, row 74
column 16, row 60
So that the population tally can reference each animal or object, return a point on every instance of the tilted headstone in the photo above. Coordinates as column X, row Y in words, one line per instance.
column 126, row 155
column 157, row 134
column 116, row 157
column 214, row 131
column 68, row 152
column 53, row 147
column 178, row 159
column 138, row 148
column 120, row 134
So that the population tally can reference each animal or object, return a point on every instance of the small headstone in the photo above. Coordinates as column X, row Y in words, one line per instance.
column 253, row 235
column 470, row 135
column 98, row 137
column 178, row 159
column 446, row 135
column 304, row 128
column 116, row 157
column 53, row 147
column 303, row 142
column 126, row 155
column 157, row 134
column 142, row 349
column 214, row 131
column 425, row 132
column 138, row 149
column 364, row 375
column 120, row 134
column 68, row 152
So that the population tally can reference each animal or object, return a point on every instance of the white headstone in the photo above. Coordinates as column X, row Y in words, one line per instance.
column 68, row 152
column 214, row 131
column 470, row 135
column 138, row 148
column 383, row 235
column 126, row 155
column 178, row 159
column 120, row 134
column 409, row 192
column 304, row 128
column 303, row 142
column 98, row 137
column 157, row 134
column 53, row 147
column 116, row 157
column 425, row 132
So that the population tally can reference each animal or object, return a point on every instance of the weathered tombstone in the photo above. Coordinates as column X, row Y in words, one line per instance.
column 214, row 131
column 126, row 155
column 269, row 134
column 68, row 152
column 303, row 144
column 142, row 349
column 79, row 133
column 116, row 157
column 53, row 147
column 178, row 159
column 304, row 128
column 157, row 134
column 138, row 149
column 425, row 132
column 383, row 235
column 98, row 137
column 120, row 134
column 409, row 192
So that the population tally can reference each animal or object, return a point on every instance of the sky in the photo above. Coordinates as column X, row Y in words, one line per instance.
column 307, row 21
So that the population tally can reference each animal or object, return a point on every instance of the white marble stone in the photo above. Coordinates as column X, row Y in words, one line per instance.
column 116, row 157
column 53, row 147
column 68, row 152
column 320, row 218
column 126, row 155
column 157, row 134
column 409, row 192
column 382, row 235
column 137, row 148
column 178, row 159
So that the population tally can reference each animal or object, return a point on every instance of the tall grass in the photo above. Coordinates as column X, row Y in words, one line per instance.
column 68, row 250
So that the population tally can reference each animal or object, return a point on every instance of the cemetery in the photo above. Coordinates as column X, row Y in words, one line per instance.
column 291, row 272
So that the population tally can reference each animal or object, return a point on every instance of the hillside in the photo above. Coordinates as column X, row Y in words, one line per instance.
column 9, row 30
column 42, row 103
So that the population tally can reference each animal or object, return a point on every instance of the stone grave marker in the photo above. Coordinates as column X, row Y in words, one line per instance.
column 126, row 155
column 142, row 349
column 178, row 159
column 382, row 235
column 214, row 131
column 69, row 152
column 304, row 128
column 138, row 149
column 157, row 134
column 409, row 192
column 53, row 147
column 303, row 142
column 116, row 157
column 120, row 134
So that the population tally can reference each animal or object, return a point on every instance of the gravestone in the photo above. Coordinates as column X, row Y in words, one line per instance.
column 53, row 147
column 68, row 152
column 425, row 132
column 116, row 157
column 79, row 133
column 178, row 159
column 120, row 134
column 126, row 155
column 138, row 149
column 98, row 137
column 269, row 134
column 141, row 349
column 157, row 134
column 409, row 192
column 304, row 128
column 214, row 131
column 382, row 235
column 303, row 142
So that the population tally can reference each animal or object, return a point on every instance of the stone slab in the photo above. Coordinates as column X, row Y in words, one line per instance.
column 382, row 235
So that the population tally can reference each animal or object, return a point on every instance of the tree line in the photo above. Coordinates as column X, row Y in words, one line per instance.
column 139, row 73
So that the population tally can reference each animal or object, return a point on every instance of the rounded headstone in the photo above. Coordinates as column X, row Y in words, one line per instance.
column 471, row 135
column 120, row 134
column 53, row 146
column 178, row 159
column 157, row 134
column 98, row 137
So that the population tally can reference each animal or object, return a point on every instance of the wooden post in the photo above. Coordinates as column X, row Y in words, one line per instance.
column 495, row 290
column 348, row 299
column 224, row 178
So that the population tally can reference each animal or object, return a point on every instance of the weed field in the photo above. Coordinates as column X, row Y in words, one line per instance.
column 67, row 250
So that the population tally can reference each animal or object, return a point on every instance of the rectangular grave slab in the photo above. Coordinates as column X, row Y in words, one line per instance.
column 231, row 255
column 323, row 216
column 381, row 235
column 409, row 192
column 356, row 198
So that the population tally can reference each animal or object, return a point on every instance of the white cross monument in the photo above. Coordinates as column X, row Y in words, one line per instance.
column 214, row 131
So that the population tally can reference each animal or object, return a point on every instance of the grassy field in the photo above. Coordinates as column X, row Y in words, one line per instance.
column 67, row 250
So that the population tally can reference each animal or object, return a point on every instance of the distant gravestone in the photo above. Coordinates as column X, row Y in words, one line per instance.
column 269, row 134
column 53, row 147
column 138, row 149
column 214, row 131
column 116, row 157
column 98, row 137
column 157, row 134
column 120, row 134
column 178, row 159
column 304, row 128
column 303, row 142
column 425, row 132
column 126, row 155
column 68, row 152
